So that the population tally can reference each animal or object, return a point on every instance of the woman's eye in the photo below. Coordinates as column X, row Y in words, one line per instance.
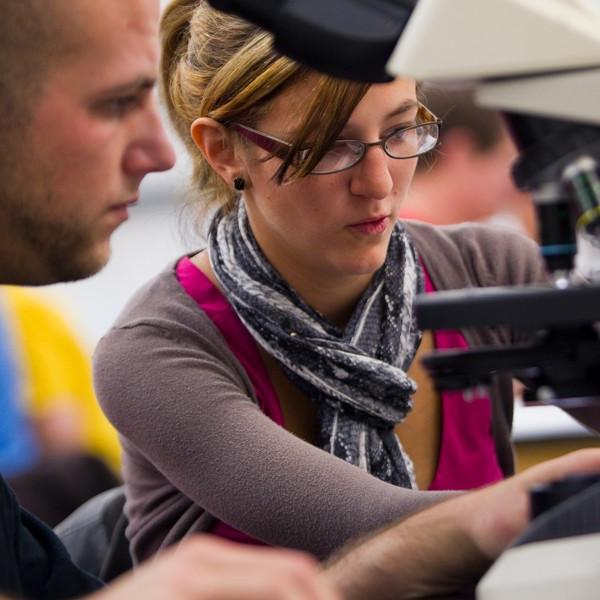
column 354, row 148
column 300, row 156
column 401, row 131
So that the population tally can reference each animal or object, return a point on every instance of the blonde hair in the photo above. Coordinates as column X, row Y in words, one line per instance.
column 218, row 66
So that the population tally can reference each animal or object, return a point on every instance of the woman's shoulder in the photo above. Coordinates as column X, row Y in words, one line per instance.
column 161, row 339
column 474, row 254
column 161, row 313
column 160, row 298
column 163, row 303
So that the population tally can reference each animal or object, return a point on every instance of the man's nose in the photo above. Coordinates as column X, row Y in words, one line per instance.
column 152, row 151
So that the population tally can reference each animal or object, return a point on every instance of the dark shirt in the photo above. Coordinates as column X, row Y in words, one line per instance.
column 33, row 562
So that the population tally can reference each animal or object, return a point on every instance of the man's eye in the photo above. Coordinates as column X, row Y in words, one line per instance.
column 122, row 105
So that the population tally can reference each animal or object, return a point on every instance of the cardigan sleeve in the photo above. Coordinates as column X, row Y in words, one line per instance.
column 176, row 394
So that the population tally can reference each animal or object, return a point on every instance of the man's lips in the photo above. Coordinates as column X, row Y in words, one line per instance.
column 120, row 212
column 124, row 205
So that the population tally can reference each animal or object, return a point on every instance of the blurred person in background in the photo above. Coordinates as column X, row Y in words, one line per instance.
column 73, row 452
column 468, row 177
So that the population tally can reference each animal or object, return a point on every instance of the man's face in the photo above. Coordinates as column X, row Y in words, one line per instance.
column 93, row 134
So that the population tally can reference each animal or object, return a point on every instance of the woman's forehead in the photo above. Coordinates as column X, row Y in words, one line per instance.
column 388, row 99
column 288, row 109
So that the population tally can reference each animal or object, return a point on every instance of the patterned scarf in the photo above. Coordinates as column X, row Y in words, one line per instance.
column 356, row 375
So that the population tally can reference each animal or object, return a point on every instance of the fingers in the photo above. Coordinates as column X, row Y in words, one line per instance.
column 206, row 568
column 498, row 514
column 237, row 571
column 211, row 549
column 248, row 583
column 579, row 462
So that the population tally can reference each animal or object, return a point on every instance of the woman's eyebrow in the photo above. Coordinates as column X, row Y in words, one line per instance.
column 404, row 107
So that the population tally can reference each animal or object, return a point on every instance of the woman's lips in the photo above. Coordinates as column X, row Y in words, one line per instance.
column 372, row 226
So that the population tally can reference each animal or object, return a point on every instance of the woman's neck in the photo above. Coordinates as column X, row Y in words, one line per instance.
column 334, row 298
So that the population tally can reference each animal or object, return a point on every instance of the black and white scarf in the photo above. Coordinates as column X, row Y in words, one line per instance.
column 356, row 375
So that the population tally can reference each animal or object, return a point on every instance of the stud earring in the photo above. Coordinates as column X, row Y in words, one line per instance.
column 239, row 183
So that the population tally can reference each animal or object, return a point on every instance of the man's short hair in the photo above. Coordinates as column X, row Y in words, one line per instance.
column 33, row 35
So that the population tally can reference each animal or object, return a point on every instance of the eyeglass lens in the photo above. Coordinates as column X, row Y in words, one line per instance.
column 403, row 143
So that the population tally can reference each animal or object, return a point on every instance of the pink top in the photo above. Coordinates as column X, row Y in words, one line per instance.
column 468, row 456
column 467, row 451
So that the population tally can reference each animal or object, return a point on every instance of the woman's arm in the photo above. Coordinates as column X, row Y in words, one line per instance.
column 181, row 400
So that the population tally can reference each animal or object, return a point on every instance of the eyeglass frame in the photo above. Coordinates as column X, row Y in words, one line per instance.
column 280, row 148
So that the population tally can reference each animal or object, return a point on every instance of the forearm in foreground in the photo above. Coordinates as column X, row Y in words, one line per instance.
column 447, row 548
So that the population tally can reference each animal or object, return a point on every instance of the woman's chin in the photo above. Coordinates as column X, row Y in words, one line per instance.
column 364, row 264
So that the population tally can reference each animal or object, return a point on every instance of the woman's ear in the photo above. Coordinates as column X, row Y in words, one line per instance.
column 214, row 140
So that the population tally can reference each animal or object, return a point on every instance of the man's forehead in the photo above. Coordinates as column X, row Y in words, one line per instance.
column 87, row 20
column 109, row 41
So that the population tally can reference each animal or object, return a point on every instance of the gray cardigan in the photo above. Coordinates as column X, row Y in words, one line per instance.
column 196, row 444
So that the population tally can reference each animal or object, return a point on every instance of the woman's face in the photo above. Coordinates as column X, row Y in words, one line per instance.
column 328, row 228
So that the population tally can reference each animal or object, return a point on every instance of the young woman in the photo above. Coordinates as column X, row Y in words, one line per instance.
column 271, row 391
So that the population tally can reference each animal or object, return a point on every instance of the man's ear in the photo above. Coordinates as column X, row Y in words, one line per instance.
column 214, row 140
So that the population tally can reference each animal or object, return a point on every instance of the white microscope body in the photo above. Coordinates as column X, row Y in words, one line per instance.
column 540, row 57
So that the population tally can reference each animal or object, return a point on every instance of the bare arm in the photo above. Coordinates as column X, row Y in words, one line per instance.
column 448, row 547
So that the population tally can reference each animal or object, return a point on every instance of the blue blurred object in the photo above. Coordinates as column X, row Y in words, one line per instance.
column 18, row 448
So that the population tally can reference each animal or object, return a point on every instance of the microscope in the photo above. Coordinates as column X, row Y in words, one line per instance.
column 538, row 62
column 546, row 82
column 542, row 81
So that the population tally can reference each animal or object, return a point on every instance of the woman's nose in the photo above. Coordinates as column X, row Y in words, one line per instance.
column 371, row 177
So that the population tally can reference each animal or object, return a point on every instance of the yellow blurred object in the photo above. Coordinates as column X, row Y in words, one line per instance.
column 57, row 377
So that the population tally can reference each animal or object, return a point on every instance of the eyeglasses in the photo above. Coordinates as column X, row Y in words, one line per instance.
column 403, row 142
